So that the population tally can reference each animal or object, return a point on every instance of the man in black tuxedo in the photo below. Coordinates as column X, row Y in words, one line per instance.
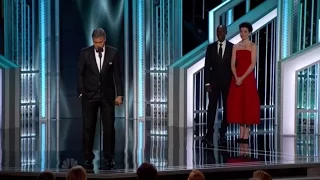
column 218, row 75
column 99, row 86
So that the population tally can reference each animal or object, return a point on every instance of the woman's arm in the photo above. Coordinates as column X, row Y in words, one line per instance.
column 253, row 61
column 233, row 61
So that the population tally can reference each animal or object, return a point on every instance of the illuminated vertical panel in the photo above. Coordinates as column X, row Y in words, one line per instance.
column 43, row 78
column 307, row 104
column 8, row 27
column 1, row 99
column 319, row 31
column 43, row 146
column 140, row 64
column 126, row 77
column 247, row 6
column 19, row 48
column 285, row 28
column 140, row 71
column 211, row 26
column 229, row 17
column 318, row 17
column 140, row 153
column 43, row 55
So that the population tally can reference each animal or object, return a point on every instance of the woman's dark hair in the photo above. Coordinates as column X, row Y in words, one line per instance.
column 246, row 25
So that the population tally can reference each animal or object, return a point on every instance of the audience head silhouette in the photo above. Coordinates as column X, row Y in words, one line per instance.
column 147, row 171
column 77, row 173
column 261, row 175
column 196, row 175
column 46, row 175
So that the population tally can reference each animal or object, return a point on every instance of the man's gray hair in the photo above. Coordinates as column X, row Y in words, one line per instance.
column 98, row 33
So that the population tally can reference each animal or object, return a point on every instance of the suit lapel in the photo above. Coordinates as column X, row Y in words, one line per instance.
column 226, row 50
column 93, row 61
column 215, row 49
column 107, row 59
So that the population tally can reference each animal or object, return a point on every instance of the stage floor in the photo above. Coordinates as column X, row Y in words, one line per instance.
column 170, row 149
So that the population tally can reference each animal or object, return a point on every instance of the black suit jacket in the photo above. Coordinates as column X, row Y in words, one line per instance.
column 217, row 69
column 110, row 77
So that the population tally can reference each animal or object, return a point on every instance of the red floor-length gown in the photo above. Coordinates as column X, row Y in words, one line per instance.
column 243, row 101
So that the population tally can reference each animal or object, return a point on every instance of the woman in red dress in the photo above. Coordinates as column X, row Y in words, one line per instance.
column 243, row 101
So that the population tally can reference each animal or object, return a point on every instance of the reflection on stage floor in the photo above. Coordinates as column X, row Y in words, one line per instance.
column 170, row 148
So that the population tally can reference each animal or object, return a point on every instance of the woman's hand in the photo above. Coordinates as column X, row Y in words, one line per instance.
column 239, row 81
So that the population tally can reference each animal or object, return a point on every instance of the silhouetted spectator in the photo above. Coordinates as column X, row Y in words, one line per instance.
column 261, row 175
column 196, row 175
column 46, row 175
column 77, row 173
column 147, row 171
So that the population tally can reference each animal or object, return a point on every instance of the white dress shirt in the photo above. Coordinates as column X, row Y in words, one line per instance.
column 98, row 58
column 223, row 46
column 96, row 54
column 223, row 49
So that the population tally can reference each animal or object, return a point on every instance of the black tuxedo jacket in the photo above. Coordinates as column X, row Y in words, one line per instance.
column 110, row 77
column 217, row 69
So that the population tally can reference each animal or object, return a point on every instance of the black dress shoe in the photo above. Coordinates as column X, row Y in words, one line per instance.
column 208, row 141
column 245, row 141
column 241, row 140
column 222, row 140
column 108, row 164
column 111, row 163
column 88, row 165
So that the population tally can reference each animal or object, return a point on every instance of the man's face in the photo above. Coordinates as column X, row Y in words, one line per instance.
column 98, row 42
column 221, row 33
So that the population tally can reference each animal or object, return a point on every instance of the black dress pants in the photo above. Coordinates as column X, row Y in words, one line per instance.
column 217, row 90
column 90, row 109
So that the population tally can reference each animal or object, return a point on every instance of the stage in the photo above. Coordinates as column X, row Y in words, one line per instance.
column 175, row 153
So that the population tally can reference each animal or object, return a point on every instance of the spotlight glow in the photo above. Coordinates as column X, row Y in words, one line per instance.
column 200, row 64
column 289, row 69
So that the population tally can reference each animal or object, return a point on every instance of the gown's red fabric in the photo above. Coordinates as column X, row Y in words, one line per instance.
column 243, row 101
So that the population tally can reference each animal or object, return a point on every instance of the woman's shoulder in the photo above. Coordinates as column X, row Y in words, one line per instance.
column 252, row 44
column 249, row 45
column 236, row 46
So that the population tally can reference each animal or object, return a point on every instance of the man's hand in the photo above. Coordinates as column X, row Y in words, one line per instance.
column 118, row 101
column 207, row 88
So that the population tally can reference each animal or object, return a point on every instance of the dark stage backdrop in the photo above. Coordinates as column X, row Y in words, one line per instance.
column 78, row 18
column 1, row 28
